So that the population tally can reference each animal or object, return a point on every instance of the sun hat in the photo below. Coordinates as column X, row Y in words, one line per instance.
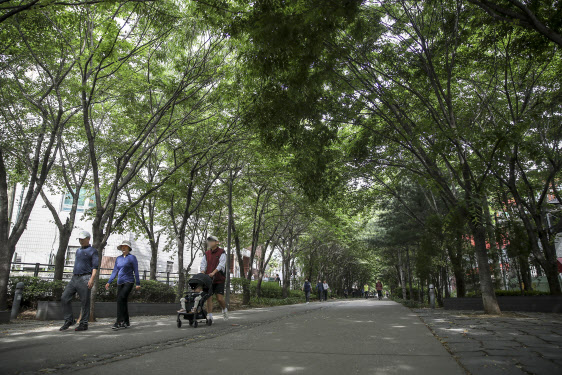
column 125, row 243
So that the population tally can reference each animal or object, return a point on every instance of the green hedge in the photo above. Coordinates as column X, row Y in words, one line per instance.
column 509, row 293
column 36, row 289
column 151, row 291
column 268, row 289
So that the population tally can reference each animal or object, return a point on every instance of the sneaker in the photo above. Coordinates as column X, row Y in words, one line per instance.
column 182, row 311
column 66, row 325
column 122, row 325
column 127, row 324
column 225, row 315
column 81, row 327
column 115, row 327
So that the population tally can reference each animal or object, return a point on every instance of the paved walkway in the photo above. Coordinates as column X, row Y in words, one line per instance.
column 342, row 337
column 513, row 343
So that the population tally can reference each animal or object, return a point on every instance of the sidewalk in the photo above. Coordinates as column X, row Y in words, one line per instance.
column 513, row 343
column 337, row 337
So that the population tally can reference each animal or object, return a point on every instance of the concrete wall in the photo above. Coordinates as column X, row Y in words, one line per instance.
column 548, row 304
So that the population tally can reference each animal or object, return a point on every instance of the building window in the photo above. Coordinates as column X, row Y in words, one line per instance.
column 169, row 266
column 85, row 200
column 70, row 256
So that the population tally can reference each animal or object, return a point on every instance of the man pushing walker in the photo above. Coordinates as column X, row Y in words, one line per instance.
column 214, row 265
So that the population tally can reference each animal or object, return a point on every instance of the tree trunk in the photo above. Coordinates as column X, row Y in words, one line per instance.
column 181, row 272
column 286, row 276
column 60, row 258
column 458, row 270
column 525, row 272
column 99, row 244
column 411, row 290
column 6, row 255
column 153, row 260
column 486, row 286
column 402, row 277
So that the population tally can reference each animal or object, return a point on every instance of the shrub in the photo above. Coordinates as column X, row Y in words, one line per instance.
column 509, row 293
column 151, row 291
column 261, row 301
column 35, row 289
column 237, row 283
column 268, row 290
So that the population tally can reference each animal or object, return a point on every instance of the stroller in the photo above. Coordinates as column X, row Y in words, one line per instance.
column 195, row 301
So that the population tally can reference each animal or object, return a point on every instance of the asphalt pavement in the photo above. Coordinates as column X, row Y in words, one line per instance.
column 337, row 337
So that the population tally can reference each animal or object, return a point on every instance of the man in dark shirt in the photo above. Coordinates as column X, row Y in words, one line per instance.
column 86, row 266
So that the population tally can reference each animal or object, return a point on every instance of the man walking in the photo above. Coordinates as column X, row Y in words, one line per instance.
column 86, row 266
column 320, row 290
column 214, row 265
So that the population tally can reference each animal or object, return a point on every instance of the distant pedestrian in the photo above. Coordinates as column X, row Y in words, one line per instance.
column 325, row 288
column 307, row 288
column 366, row 288
column 86, row 264
column 320, row 290
column 127, row 271
column 379, row 289
column 278, row 279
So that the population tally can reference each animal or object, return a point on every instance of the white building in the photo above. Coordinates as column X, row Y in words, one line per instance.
column 40, row 240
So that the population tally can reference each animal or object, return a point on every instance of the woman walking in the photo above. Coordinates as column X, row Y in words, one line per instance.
column 127, row 271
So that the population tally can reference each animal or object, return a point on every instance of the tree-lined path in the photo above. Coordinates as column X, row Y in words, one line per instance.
column 359, row 336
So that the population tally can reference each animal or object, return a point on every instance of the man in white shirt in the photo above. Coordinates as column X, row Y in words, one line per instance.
column 214, row 265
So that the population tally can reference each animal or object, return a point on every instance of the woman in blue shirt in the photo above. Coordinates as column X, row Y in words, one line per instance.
column 125, row 266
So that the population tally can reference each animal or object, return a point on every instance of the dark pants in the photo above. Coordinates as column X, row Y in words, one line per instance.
column 326, row 295
column 123, row 291
column 307, row 295
column 78, row 284
column 320, row 294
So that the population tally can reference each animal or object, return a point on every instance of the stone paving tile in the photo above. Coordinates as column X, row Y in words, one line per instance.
column 513, row 343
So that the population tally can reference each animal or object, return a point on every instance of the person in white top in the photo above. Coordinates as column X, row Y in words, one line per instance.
column 326, row 287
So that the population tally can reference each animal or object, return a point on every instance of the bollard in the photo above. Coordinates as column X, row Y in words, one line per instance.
column 432, row 296
column 17, row 301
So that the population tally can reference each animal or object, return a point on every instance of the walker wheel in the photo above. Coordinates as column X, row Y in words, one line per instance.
column 179, row 323
column 195, row 324
column 191, row 322
column 209, row 322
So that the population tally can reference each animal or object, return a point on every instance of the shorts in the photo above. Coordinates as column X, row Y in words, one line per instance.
column 218, row 288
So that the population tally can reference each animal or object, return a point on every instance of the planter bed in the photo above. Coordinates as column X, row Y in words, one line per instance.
column 547, row 304
column 52, row 310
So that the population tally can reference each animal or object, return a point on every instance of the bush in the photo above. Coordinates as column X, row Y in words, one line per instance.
column 151, row 291
column 237, row 283
column 268, row 290
column 35, row 289
column 261, row 301
column 509, row 293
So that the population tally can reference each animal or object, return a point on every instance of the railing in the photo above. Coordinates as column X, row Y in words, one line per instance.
column 47, row 272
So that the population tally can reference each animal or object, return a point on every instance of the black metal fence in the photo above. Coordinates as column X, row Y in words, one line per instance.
column 47, row 272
